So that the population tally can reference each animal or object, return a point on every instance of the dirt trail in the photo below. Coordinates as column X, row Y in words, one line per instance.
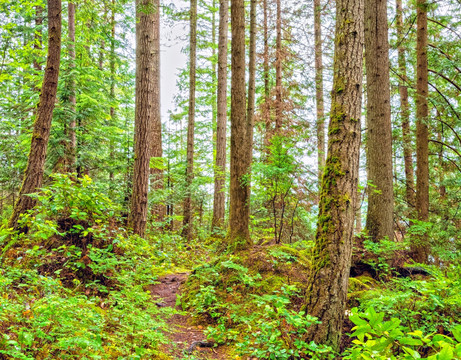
column 183, row 333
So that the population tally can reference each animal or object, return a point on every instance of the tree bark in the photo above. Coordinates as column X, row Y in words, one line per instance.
column 158, row 209
column 319, row 90
column 187, row 221
column 380, row 219
column 33, row 176
column 72, row 138
column 112, row 86
column 144, row 113
column 266, row 108
column 405, row 113
column 278, row 70
column 419, row 247
column 239, row 234
column 220, row 166
column 331, row 257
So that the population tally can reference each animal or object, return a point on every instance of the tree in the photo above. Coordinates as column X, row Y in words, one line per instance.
column 220, row 165
column 158, row 210
column 72, row 141
column 319, row 89
column 278, row 70
column 420, row 247
column 144, row 112
column 380, row 218
column 331, row 256
column 405, row 111
column 33, row 176
column 187, row 221
column 239, row 214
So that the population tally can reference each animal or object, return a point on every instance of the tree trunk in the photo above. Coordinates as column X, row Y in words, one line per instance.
column 158, row 209
column 278, row 70
column 405, row 113
column 380, row 219
column 419, row 247
column 187, row 221
column 239, row 234
column 220, row 166
column 319, row 90
column 112, row 87
column 72, row 138
column 38, row 34
column 144, row 113
column 331, row 257
column 33, row 176
column 266, row 108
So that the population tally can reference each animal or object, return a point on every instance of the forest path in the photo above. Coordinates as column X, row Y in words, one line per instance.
column 183, row 333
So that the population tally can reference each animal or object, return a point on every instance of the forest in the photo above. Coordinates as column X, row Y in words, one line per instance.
column 290, row 191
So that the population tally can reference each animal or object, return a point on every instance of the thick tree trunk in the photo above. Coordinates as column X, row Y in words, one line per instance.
column 380, row 219
column 420, row 247
column 144, row 113
column 405, row 114
column 158, row 209
column 331, row 257
column 278, row 70
column 187, row 221
column 319, row 90
column 239, row 234
column 72, row 138
column 220, row 166
column 33, row 176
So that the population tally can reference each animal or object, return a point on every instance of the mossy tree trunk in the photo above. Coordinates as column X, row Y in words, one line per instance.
column 238, row 236
column 319, row 90
column 33, row 176
column 380, row 219
column 221, row 122
column 331, row 256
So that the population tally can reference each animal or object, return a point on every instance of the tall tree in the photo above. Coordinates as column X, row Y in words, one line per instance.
column 158, row 209
column 239, row 215
column 144, row 113
column 187, row 220
column 278, row 69
column 319, row 89
column 331, row 257
column 266, row 108
column 220, row 166
column 38, row 35
column 33, row 176
column 420, row 248
column 405, row 111
column 380, row 220
column 72, row 138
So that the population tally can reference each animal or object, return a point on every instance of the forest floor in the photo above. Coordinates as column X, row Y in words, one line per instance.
column 184, row 332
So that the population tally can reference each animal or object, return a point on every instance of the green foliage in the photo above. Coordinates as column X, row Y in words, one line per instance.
column 250, row 300
column 375, row 338
column 79, row 285
column 426, row 304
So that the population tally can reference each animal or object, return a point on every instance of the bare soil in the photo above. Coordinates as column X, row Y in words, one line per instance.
column 183, row 331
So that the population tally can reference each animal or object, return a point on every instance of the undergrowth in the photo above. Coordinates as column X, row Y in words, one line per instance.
column 76, row 284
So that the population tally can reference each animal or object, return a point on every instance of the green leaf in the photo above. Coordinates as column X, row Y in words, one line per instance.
column 446, row 353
